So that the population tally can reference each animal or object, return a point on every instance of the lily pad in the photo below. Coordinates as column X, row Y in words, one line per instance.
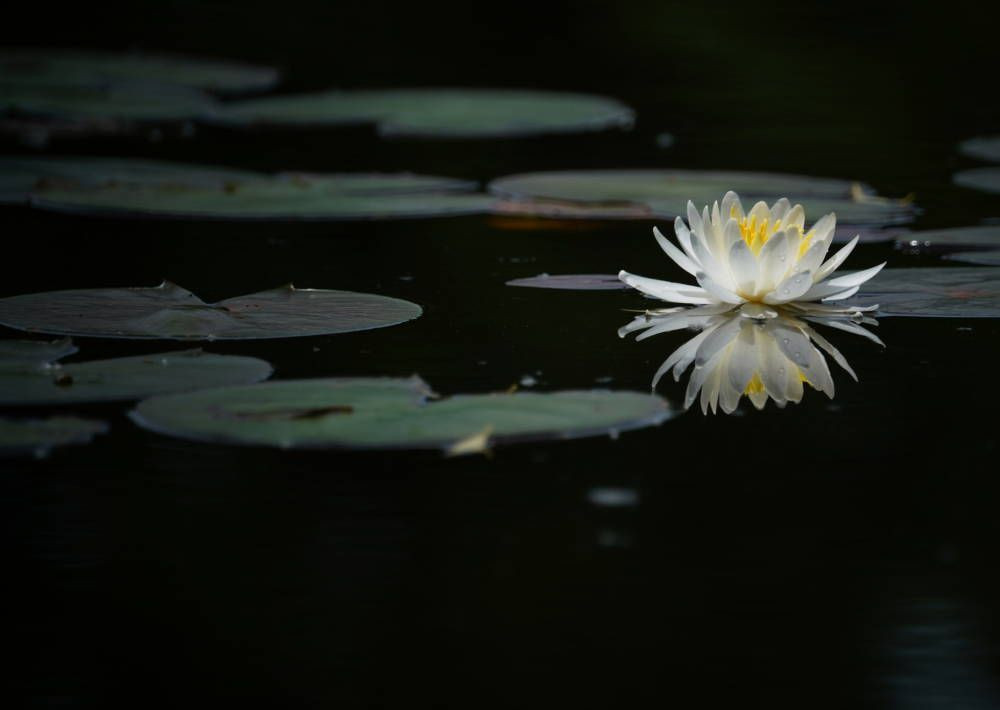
column 439, row 113
column 125, row 378
column 573, row 282
column 21, row 176
column 171, row 312
column 985, row 179
column 42, row 67
column 941, row 240
column 36, row 437
column 384, row 413
column 124, row 187
column 940, row 292
column 986, row 258
column 662, row 194
column 982, row 147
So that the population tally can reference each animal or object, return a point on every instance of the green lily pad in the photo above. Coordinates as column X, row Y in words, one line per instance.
column 982, row 147
column 663, row 194
column 36, row 437
column 21, row 176
column 41, row 67
column 960, row 238
column 38, row 352
column 572, row 282
column 170, row 312
column 125, row 187
column 125, row 378
column 985, row 179
column 934, row 292
column 439, row 113
column 985, row 258
column 384, row 413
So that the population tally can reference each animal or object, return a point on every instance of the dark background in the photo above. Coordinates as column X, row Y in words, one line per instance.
column 834, row 554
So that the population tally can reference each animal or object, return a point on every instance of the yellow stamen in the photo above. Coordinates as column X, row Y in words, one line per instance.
column 755, row 385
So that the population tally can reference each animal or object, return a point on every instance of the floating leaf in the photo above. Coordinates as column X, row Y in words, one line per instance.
column 934, row 292
column 124, row 187
column 986, row 258
column 36, row 437
column 171, row 312
column 662, row 194
column 439, row 113
column 575, row 282
column 87, row 67
column 38, row 352
column 125, row 378
column 983, row 147
column 20, row 176
column 376, row 413
column 985, row 179
column 939, row 240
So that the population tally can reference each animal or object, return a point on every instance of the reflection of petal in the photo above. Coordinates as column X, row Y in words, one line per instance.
column 761, row 352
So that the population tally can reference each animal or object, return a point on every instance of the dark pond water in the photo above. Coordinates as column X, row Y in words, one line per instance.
column 832, row 554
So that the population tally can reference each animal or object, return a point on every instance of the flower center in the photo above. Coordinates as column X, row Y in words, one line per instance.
column 756, row 233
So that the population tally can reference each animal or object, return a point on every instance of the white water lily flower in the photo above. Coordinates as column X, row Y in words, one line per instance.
column 765, row 256
column 738, row 353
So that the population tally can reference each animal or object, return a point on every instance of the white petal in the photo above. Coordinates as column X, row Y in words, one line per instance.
column 665, row 290
column 794, row 217
column 856, row 278
column 824, row 228
column 843, row 294
column 743, row 266
column 810, row 261
column 834, row 262
column 780, row 209
column 694, row 219
column 674, row 253
column 684, row 237
column 730, row 202
column 773, row 261
column 731, row 234
column 791, row 288
column 717, row 291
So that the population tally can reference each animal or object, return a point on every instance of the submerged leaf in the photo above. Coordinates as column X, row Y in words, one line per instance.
column 986, row 258
column 391, row 413
column 438, row 113
column 171, row 312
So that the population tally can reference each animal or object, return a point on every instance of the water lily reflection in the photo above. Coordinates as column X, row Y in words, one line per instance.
column 758, row 351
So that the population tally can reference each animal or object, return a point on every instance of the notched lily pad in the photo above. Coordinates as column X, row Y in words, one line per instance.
column 170, row 312
column 982, row 147
column 957, row 239
column 572, row 282
column 985, row 179
column 663, row 194
column 972, row 292
column 61, row 67
column 385, row 413
column 438, row 113
column 37, row 437
column 124, row 378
